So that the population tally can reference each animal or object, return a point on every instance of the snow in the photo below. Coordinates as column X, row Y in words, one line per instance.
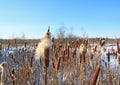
column 31, row 50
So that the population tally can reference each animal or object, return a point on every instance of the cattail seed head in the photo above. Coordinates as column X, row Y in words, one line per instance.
column 91, row 56
column 63, row 55
column 46, row 57
column 95, row 76
column 31, row 61
column 119, row 59
column 118, row 49
column 0, row 46
column 80, row 58
column 25, row 44
column 108, row 56
column 83, row 57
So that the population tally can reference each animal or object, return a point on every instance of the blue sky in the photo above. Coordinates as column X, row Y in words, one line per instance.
column 95, row 18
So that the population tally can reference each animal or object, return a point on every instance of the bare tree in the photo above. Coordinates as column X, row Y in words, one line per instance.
column 61, row 32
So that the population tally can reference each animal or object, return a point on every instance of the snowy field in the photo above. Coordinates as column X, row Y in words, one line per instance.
column 21, row 68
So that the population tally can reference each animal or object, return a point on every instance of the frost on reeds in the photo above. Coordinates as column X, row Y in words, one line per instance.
column 61, row 65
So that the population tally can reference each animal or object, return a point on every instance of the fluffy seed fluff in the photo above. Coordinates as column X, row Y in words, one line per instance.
column 45, row 42
column 82, row 48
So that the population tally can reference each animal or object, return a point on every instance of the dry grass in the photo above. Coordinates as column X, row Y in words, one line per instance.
column 63, row 65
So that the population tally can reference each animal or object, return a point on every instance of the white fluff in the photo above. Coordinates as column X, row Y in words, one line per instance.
column 82, row 48
column 41, row 46
column 3, row 74
column 45, row 42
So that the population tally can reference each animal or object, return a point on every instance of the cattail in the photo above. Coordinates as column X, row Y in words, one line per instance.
column 95, row 76
column 116, row 55
column 80, row 58
column 13, row 71
column 118, row 49
column 53, row 39
column 60, row 46
column 102, row 42
column 74, row 52
column 58, row 64
column 77, row 43
column 83, row 48
column 46, row 57
column 13, row 81
column 83, row 57
column 25, row 44
column 91, row 56
column 53, row 65
column 95, row 48
column 119, row 59
column 53, row 47
column 68, row 50
column 63, row 55
column 0, row 46
column 56, row 55
column 31, row 59
column 3, row 67
column 71, row 83
column 45, row 43
column 15, row 41
column 108, row 56
column 66, row 57
column 12, row 76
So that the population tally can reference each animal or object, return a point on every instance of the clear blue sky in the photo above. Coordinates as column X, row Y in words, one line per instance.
column 95, row 18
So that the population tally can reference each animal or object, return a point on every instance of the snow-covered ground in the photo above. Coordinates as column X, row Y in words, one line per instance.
column 114, row 65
